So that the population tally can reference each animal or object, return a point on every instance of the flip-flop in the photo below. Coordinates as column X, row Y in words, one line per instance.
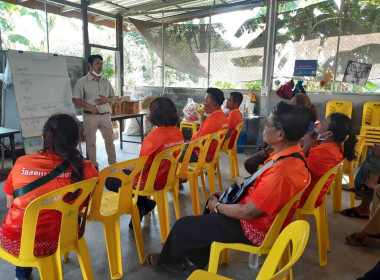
column 351, row 212
column 152, row 260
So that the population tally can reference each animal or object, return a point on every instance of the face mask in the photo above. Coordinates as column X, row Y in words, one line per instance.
column 320, row 136
column 96, row 74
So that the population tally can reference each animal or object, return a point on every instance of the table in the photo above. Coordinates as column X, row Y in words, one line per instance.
column 8, row 132
column 122, row 117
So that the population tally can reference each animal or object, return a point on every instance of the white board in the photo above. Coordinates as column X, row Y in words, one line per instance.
column 42, row 87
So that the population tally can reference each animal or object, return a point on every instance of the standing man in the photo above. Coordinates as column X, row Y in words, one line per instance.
column 93, row 93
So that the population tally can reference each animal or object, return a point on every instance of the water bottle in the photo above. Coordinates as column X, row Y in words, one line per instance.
column 253, row 261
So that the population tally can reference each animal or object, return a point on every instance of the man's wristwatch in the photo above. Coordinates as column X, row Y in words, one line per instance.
column 216, row 207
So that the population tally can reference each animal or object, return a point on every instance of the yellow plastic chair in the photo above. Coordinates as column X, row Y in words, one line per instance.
column 211, row 164
column 191, row 171
column 364, row 141
column 107, row 207
column 346, row 169
column 371, row 118
column 270, row 238
column 319, row 213
column 172, row 156
column 232, row 152
column 295, row 235
column 50, row 266
column 193, row 126
column 339, row 106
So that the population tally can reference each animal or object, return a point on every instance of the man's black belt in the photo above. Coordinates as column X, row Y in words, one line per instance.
column 90, row 113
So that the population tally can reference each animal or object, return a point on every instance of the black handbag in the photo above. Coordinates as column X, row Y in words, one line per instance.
column 236, row 192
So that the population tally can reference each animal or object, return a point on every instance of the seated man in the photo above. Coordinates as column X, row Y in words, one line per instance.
column 213, row 123
column 234, row 117
column 247, row 221
column 366, row 180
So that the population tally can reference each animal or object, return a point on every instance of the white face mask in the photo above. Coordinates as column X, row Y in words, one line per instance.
column 96, row 74
column 320, row 136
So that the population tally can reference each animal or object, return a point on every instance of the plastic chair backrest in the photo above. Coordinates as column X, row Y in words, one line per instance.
column 170, row 156
column 236, row 134
column 297, row 234
column 125, row 191
column 339, row 106
column 199, row 143
column 277, row 224
column 371, row 114
column 314, row 194
column 217, row 137
column 54, row 201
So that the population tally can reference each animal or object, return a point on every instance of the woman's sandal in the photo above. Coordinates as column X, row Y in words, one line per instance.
column 356, row 239
column 351, row 212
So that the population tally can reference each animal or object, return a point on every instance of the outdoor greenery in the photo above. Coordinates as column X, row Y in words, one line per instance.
column 297, row 21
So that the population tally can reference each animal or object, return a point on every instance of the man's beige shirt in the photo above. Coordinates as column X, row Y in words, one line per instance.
column 88, row 89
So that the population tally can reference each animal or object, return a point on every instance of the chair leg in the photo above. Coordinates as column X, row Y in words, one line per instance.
column 112, row 236
column 232, row 166
column 138, row 233
column 51, row 268
column 213, row 263
column 175, row 199
column 234, row 154
column 284, row 260
column 225, row 256
column 321, row 230
column 194, row 192
column 219, row 175
column 327, row 237
column 162, row 209
column 204, row 192
column 337, row 191
column 211, row 179
column 66, row 257
column 352, row 185
column 84, row 259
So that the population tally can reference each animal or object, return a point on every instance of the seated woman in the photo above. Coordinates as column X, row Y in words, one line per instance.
column 365, row 182
column 324, row 148
column 249, row 220
column 302, row 101
column 371, row 231
column 163, row 114
column 61, row 137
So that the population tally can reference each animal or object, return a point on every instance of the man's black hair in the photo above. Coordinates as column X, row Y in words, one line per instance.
column 216, row 94
column 92, row 58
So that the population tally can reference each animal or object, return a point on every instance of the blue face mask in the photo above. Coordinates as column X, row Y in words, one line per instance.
column 320, row 136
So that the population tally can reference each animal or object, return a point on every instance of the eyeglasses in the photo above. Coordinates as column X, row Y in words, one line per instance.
column 267, row 125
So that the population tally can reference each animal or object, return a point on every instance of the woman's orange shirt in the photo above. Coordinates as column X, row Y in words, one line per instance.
column 26, row 170
column 321, row 158
column 155, row 142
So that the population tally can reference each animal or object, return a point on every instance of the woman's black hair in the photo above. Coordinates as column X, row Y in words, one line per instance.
column 61, row 135
column 291, row 119
column 341, row 126
column 163, row 112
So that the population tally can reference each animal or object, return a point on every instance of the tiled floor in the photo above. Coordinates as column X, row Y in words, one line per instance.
column 344, row 262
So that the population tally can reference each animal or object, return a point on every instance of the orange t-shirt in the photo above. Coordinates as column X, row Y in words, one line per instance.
column 216, row 121
column 155, row 142
column 321, row 158
column 26, row 170
column 272, row 190
column 234, row 118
